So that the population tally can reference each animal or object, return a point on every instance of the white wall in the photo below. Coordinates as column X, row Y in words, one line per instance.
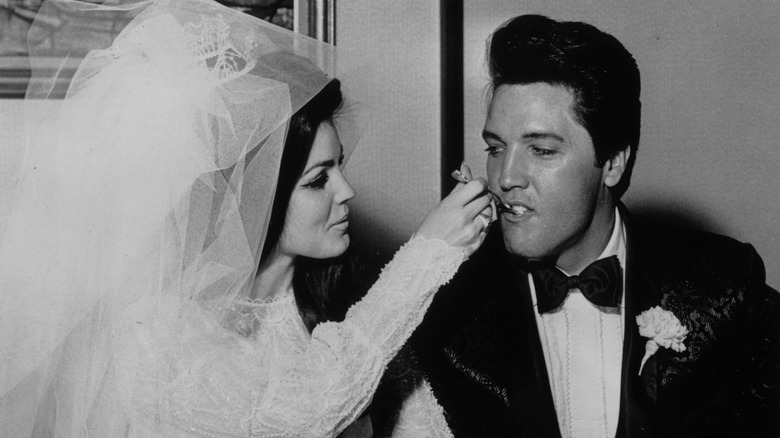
column 708, row 155
column 11, row 151
column 395, row 169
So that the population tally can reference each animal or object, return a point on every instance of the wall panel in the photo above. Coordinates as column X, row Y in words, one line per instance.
column 395, row 170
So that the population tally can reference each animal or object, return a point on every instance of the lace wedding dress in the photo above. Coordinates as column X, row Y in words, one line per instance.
column 264, row 375
column 138, row 223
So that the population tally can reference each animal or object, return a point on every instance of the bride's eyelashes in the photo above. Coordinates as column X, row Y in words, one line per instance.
column 319, row 181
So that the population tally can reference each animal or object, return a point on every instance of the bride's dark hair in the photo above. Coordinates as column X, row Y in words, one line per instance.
column 324, row 289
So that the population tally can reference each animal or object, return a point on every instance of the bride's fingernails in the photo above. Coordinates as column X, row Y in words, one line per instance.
column 466, row 171
column 459, row 177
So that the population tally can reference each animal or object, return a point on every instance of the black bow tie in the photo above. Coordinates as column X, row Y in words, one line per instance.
column 601, row 283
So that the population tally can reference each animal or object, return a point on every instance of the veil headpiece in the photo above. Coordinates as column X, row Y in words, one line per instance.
column 152, row 155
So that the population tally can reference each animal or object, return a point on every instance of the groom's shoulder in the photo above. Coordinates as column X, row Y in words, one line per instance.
column 690, row 248
column 697, row 265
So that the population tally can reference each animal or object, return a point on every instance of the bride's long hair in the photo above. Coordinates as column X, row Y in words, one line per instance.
column 324, row 289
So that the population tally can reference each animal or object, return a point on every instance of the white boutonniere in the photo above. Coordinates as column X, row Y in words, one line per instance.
column 663, row 329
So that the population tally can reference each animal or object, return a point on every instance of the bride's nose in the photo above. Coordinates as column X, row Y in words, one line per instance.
column 344, row 191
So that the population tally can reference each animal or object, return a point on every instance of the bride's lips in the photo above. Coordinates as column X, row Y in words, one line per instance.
column 341, row 223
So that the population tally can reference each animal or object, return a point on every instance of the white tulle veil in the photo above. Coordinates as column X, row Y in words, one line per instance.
column 149, row 176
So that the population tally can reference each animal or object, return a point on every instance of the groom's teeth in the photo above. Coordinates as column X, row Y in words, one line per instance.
column 518, row 209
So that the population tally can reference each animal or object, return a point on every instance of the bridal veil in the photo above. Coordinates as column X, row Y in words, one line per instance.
column 152, row 155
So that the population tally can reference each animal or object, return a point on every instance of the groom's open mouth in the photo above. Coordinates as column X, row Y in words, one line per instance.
column 518, row 209
column 515, row 210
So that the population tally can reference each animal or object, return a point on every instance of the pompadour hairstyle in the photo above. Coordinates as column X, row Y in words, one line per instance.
column 598, row 70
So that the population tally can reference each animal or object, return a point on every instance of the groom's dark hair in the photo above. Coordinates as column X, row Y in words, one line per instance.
column 600, row 73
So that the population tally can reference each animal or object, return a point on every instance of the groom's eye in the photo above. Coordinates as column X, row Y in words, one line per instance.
column 542, row 152
column 493, row 150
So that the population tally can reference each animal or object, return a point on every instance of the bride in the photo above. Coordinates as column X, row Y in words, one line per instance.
column 176, row 230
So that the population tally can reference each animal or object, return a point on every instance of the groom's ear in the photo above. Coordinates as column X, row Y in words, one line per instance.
column 614, row 167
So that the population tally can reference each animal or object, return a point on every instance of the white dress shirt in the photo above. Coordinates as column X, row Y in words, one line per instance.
column 583, row 351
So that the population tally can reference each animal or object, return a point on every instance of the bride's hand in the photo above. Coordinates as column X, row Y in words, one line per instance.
column 462, row 218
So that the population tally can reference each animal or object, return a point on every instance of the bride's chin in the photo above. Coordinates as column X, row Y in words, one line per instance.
column 337, row 247
column 345, row 243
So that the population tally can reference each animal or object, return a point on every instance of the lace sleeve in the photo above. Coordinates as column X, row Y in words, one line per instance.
column 421, row 416
column 323, row 389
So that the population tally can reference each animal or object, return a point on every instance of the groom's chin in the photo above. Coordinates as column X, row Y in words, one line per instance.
column 521, row 246
column 528, row 245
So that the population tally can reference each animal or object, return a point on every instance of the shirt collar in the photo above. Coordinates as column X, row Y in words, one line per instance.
column 615, row 246
column 617, row 242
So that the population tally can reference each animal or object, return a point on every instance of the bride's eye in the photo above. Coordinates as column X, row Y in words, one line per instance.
column 319, row 181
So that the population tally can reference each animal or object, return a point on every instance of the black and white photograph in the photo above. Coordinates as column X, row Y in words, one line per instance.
column 354, row 219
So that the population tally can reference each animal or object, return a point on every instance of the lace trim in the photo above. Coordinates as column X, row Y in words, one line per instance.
column 247, row 316
column 263, row 302
column 211, row 43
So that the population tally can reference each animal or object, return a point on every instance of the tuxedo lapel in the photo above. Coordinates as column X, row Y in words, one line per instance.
column 531, row 398
column 638, row 393
column 489, row 372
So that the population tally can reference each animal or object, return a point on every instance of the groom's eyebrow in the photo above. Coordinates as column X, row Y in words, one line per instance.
column 542, row 135
column 487, row 135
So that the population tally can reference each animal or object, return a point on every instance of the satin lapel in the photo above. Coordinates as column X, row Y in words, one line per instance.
column 638, row 394
column 531, row 397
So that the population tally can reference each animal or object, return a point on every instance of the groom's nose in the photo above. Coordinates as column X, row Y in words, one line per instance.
column 514, row 169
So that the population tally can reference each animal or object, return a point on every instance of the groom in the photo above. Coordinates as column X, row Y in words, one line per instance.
column 577, row 318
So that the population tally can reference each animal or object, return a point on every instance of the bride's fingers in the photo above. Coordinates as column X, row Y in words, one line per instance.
column 477, row 206
column 464, row 194
column 487, row 212
column 466, row 171
column 485, row 222
column 463, row 174
column 458, row 219
column 486, row 215
column 481, row 204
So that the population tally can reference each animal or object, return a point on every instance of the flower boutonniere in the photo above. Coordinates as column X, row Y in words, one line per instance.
column 663, row 329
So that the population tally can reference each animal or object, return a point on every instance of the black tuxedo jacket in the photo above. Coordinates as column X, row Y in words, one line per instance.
column 480, row 349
